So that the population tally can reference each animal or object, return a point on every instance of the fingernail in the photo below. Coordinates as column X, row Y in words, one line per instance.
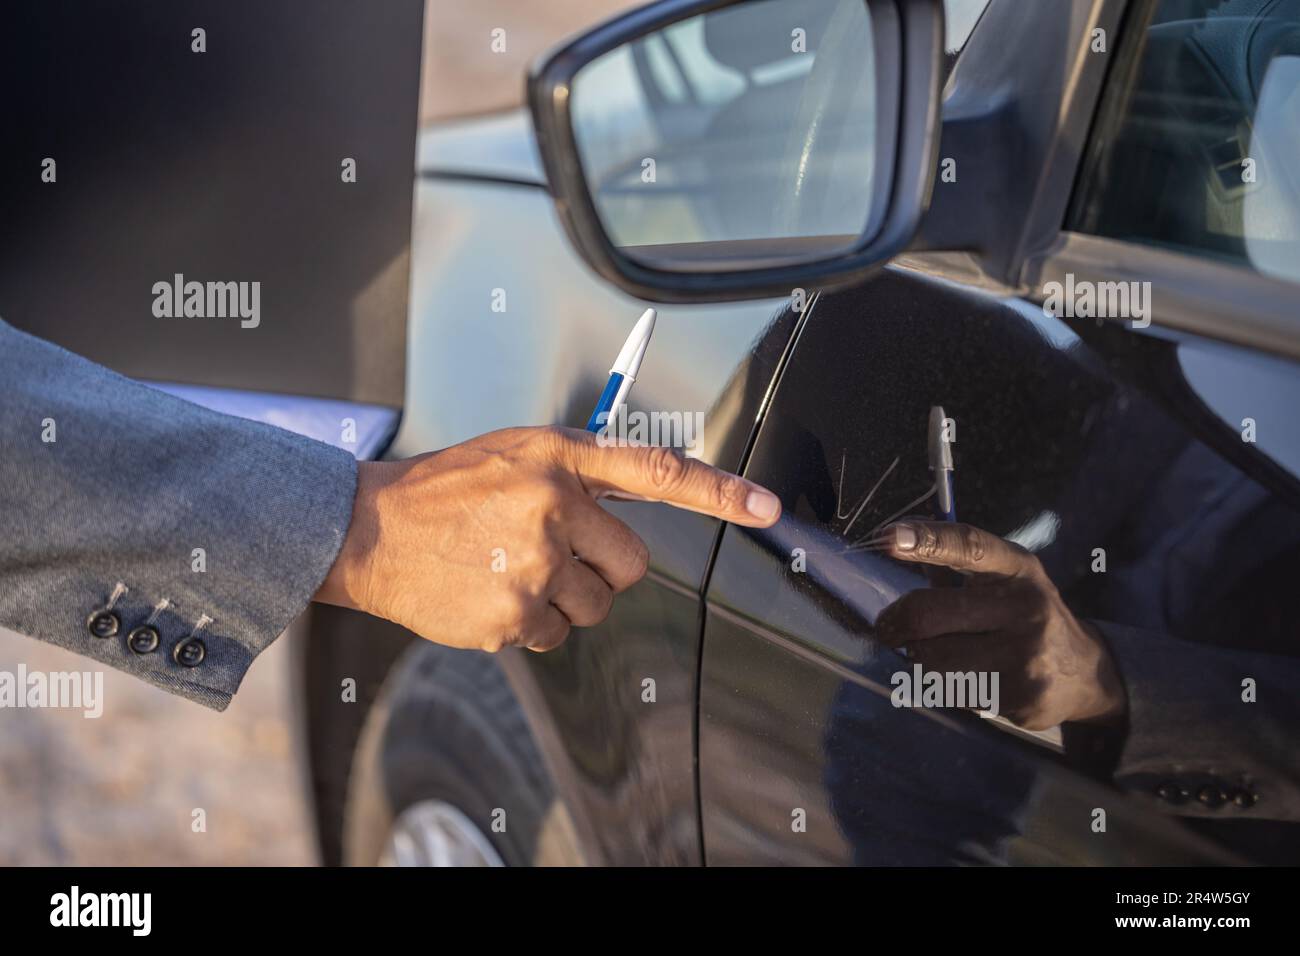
column 904, row 537
column 763, row 505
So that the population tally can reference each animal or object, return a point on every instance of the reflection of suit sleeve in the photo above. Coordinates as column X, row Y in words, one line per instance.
column 106, row 489
column 1192, row 744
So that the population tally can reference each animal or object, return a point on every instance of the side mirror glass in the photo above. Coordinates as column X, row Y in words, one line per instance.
column 702, row 150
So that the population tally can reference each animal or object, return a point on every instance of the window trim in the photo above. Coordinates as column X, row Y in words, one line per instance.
column 1111, row 106
column 1200, row 296
column 1017, row 140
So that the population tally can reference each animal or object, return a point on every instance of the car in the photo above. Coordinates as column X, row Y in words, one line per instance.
column 1074, row 226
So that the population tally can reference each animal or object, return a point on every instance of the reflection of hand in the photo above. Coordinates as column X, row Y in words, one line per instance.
column 1008, row 618
column 499, row 541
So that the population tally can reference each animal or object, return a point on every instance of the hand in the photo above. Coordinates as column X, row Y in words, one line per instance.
column 1009, row 618
column 499, row 541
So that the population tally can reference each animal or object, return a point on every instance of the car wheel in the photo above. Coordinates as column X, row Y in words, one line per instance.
column 447, row 773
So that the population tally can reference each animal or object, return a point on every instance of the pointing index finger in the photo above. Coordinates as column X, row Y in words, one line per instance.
column 654, row 473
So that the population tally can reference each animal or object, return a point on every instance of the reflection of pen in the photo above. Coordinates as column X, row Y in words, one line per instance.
column 941, row 464
column 623, row 373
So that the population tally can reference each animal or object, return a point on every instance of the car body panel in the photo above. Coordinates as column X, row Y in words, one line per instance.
column 1060, row 448
column 499, row 146
column 623, row 764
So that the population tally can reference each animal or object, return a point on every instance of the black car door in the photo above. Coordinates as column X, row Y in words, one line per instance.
column 1124, row 454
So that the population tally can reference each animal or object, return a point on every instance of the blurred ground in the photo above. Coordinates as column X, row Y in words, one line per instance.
column 461, row 73
column 121, row 789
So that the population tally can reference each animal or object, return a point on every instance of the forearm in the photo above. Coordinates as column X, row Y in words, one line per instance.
column 496, row 542
column 198, row 525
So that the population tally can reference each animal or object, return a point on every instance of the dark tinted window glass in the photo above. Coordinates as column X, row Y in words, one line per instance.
column 1196, row 149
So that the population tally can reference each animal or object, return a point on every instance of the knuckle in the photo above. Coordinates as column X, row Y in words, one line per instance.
column 548, row 498
column 552, row 439
column 554, row 562
column 595, row 606
column 604, row 603
column 551, row 641
column 1037, row 671
column 1027, row 563
column 729, row 493
column 1022, row 705
column 514, row 609
column 929, row 544
column 537, row 573
column 638, row 562
column 664, row 468
column 1035, row 717
column 1035, row 571
column 971, row 545
column 1038, row 609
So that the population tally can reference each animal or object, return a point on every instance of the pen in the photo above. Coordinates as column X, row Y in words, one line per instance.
column 941, row 465
column 623, row 372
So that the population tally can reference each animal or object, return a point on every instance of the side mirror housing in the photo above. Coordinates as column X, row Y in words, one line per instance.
column 706, row 150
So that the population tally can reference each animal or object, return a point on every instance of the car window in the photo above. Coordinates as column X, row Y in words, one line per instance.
column 1195, row 149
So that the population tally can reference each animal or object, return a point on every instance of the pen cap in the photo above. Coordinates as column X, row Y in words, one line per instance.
column 629, row 359
column 940, row 449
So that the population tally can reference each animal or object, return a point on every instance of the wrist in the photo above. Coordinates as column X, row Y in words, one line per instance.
column 1108, row 702
column 348, row 583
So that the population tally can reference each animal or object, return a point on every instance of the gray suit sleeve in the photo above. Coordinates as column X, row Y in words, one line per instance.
column 108, row 487
column 1193, row 744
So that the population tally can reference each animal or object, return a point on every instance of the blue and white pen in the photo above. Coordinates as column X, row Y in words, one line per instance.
column 623, row 373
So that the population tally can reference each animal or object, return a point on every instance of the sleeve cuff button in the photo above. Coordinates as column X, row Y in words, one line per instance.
column 1212, row 796
column 189, row 652
column 103, row 624
column 143, row 640
column 1172, row 792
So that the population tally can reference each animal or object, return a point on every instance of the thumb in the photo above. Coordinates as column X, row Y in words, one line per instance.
column 961, row 547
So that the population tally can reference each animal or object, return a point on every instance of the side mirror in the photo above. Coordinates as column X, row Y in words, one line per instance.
column 702, row 150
